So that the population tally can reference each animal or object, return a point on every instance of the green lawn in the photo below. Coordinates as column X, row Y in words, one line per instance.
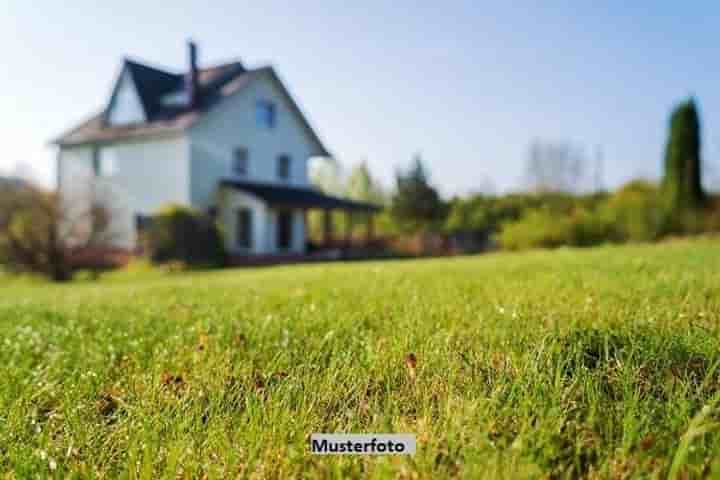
column 599, row 362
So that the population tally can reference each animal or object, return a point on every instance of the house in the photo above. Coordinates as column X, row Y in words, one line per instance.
column 226, row 140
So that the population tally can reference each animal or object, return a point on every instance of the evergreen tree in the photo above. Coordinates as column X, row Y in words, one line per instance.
column 682, row 184
column 416, row 203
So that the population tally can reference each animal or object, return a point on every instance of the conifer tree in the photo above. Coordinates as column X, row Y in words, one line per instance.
column 682, row 183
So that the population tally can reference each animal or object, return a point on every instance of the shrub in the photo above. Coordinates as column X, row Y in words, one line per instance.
column 543, row 228
column 712, row 217
column 42, row 233
column 636, row 212
column 180, row 234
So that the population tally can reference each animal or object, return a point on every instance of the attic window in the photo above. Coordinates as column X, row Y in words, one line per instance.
column 265, row 113
column 175, row 99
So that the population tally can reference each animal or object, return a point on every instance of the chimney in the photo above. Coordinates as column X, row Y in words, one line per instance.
column 191, row 79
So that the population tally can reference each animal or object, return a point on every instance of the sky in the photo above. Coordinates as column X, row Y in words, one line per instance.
column 468, row 84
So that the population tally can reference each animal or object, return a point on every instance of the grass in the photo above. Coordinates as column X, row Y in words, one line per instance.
column 602, row 363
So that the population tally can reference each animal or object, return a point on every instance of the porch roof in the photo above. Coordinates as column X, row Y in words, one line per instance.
column 288, row 196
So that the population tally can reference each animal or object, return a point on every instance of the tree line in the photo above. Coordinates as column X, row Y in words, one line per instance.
column 563, row 202
column 42, row 233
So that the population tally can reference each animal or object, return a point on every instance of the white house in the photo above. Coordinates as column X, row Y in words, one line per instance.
column 226, row 140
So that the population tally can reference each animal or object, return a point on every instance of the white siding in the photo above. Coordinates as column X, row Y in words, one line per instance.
column 151, row 174
column 126, row 107
column 233, row 124
column 147, row 175
column 75, row 168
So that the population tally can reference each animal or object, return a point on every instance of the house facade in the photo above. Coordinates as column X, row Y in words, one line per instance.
column 225, row 140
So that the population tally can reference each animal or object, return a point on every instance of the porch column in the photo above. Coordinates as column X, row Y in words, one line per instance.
column 306, row 230
column 348, row 228
column 327, row 227
column 370, row 232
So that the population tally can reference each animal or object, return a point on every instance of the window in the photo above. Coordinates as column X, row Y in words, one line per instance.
column 96, row 161
column 283, row 167
column 243, row 228
column 265, row 113
column 104, row 162
column 284, row 230
column 240, row 162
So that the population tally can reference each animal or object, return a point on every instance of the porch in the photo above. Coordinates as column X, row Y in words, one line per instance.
column 266, row 222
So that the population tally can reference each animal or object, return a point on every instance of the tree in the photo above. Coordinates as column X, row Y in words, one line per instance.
column 554, row 167
column 326, row 174
column 682, row 182
column 363, row 187
column 416, row 204
column 40, row 231
column 179, row 233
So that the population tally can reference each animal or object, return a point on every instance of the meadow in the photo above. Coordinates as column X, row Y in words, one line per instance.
column 596, row 363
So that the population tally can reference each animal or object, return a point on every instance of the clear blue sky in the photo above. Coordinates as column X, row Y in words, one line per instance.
column 469, row 84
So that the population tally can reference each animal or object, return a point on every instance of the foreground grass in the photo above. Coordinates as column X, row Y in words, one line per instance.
column 600, row 363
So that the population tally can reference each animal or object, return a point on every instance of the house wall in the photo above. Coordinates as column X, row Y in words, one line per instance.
column 233, row 124
column 145, row 176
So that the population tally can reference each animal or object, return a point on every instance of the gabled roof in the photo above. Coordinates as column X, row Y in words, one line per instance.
column 297, row 197
column 163, row 118
column 151, row 84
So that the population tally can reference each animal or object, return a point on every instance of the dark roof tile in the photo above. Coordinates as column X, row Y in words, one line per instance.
column 296, row 197
column 153, row 85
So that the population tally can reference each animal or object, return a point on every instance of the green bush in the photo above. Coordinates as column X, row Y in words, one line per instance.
column 180, row 234
column 489, row 213
column 543, row 228
column 712, row 217
column 636, row 212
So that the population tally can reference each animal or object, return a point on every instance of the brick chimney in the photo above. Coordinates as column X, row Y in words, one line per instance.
column 191, row 78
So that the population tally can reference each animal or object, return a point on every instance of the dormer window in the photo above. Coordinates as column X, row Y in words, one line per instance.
column 265, row 113
column 283, row 167
column 240, row 162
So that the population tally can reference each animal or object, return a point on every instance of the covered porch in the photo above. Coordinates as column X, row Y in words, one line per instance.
column 269, row 222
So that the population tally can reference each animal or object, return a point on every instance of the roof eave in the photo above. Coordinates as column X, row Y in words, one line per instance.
column 168, row 133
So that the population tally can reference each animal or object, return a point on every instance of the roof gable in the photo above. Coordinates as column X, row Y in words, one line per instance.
column 320, row 149
column 125, row 106
column 150, row 84
column 161, row 95
column 238, row 86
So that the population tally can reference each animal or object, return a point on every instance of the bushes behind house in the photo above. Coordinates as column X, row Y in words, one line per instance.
column 634, row 213
column 181, row 234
